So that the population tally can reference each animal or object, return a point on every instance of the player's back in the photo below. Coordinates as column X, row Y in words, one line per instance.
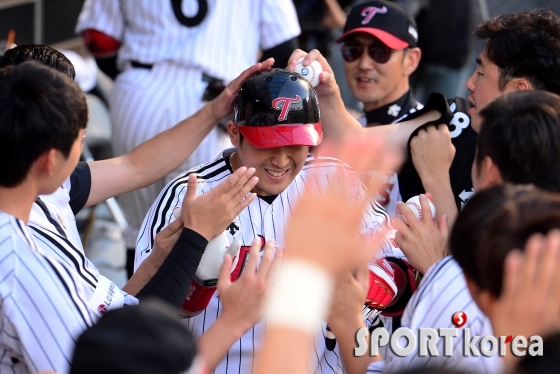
column 42, row 310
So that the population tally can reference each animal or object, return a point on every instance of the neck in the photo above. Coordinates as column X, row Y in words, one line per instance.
column 17, row 201
column 234, row 161
column 397, row 93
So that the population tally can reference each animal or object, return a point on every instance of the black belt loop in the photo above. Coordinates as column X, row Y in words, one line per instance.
column 141, row 65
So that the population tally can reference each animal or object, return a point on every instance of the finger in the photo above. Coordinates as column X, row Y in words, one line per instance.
column 233, row 249
column 315, row 54
column 277, row 262
column 512, row 269
column 191, row 189
column 251, row 266
column 548, row 269
column 406, row 212
column 426, row 210
column 172, row 228
column 444, row 225
column 246, row 188
column 224, row 279
column 296, row 55
column 244, row 203
column 532, row 252
column 229, row 183
column 266, row 259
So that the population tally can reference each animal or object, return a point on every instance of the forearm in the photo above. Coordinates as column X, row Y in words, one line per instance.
column 439, row 185
column 284, row 342
column 151, row 160
column 217, row 340
column 141, row 276
column 346, row 339
column 398, row 133
column 336, row 121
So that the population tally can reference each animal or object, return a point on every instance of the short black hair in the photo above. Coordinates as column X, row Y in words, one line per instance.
column 524, row 45
column 468, row 229
column 43, row 53
column 509, row 228
column 40, row 109
column 520, row 132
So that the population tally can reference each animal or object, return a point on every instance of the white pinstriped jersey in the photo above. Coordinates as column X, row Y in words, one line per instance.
column 224, row 44
column 442, row 292
column 66, row 247
column 146, row 102
column 258, row 219
column 42, row 309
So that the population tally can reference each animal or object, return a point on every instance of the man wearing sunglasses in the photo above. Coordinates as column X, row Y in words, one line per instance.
column 380, row 53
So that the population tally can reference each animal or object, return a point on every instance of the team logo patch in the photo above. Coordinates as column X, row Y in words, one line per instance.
column 304, row 72
column 102, row 309
column 370, row 11
column 283, row 104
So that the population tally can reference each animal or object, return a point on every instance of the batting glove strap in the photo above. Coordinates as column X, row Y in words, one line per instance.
column 199, row 295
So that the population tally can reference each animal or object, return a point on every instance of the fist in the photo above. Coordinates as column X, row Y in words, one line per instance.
column 311, row 72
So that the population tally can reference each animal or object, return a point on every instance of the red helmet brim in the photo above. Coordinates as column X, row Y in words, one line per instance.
column 310, row 134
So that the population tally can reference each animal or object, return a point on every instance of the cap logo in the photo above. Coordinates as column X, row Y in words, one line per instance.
column 370, row 11
column 283, row 104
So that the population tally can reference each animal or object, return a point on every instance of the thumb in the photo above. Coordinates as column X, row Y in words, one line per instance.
column 191, row 187
column 224, row 280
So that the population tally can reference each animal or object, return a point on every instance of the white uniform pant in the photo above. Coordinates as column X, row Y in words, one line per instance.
column 144, row 103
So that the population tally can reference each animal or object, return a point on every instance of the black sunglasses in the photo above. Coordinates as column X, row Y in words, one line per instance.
column 378, row 52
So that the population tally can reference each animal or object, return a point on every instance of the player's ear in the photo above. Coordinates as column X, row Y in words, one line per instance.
column 46, row 163
column 411, row 59
column 489, row 173
column 234, row 134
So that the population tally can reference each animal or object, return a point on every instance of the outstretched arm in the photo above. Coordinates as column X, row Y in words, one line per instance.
column 159, row 156
column 338, row 123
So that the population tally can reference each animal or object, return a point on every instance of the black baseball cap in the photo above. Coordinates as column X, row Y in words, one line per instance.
column 387, row 21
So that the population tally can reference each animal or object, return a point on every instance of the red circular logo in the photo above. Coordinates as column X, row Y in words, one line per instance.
column 459, row 319
column 102, row 309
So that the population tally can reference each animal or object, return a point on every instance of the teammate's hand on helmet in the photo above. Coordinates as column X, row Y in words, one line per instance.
column 244, row 301
column 221, row 106
column 423, row 242
column 327, row 85
column 210, row 213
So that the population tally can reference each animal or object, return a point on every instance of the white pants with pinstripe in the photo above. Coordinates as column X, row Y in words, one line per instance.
column 146, row 102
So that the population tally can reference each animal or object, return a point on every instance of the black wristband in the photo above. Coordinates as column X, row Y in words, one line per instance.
column 172, row 280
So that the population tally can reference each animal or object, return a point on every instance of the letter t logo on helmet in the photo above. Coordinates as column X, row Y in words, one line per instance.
column 277, row 108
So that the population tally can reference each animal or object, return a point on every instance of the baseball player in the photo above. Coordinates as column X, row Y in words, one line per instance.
column 167, row 51
column 52, row 216
column 43, row 119
column 380, row 77
column 280, row 154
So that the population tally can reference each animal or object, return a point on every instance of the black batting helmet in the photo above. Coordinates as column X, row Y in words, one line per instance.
column 276, row 108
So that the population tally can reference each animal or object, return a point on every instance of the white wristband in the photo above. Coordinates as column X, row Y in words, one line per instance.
column 300, row 297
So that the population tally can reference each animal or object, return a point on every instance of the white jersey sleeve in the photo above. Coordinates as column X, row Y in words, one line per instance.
column 279, row 22
column 104, row 16
column 442, row 292
column 42, row 309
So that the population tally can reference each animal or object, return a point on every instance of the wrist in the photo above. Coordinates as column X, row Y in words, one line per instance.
column 349, row 322
column 300, row 297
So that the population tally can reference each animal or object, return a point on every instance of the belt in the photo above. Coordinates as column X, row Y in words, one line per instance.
column 141, row 65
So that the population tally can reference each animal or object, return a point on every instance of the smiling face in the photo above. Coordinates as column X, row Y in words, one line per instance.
column 275, row 167
column 376, row 84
